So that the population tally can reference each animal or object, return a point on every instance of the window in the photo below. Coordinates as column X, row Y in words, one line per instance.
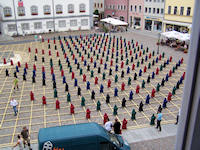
column 149, row 10
column 101, row 5
column 73, row 23
column 145, row 9
column 82, row 8
column 84, row 22
column 98, row 5
column 163, row 1
column 146, row 0
column 182, row 11
column 175, row 10
column 188, row 11
column 59, row 9
column 140, row 9
column 131, row 7
column 158, row 10
column 121, row 7
column 21, row 11
column 49, row 24
column 62, row 23
column 34, row 10
column 162, row 11
column 113, row 6
column 38, row 25
column 131, row 20
column 11, row 27
column 118, row 7
column 25, row 26
column 154, row 10
column 70, row 8
column 169, row 9
column 149, row 0
column 47, row 9
column 124, row 7
column 7, row 12
column 95, row 5
column 135, row 8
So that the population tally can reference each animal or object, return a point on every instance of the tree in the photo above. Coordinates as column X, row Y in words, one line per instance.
column 96, row 12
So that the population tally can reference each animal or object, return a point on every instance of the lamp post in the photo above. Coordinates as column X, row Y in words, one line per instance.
column 158, row 43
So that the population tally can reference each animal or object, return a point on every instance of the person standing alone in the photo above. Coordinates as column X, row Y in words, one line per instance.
column 159, row 118
column 117, row 126
column 14, row 104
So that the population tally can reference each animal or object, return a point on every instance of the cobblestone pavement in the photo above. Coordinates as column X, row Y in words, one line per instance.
column 34, row 115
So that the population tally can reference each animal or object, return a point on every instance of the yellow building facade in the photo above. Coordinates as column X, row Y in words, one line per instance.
column 178, row 15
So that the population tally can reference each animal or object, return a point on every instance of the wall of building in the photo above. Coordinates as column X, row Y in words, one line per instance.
column 177, row 21
column 99, row 5
column 117, row 9
column 136, row 13
column 44, row 18
column 179, row 4
column 153, row 17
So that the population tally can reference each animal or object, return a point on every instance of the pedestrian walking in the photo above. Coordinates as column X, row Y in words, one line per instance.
column 159, row 118
column 16, row 83
column 26, row 138
column 117, row 126
column 14, row 104
column 19, row 143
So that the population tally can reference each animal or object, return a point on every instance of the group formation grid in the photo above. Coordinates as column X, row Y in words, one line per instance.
column 35, row 115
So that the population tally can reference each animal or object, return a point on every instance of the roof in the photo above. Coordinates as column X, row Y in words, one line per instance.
column 70, row 132
column 114, row 22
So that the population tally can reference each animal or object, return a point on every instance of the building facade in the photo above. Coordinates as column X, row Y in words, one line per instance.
column 153, row 15
column 136, row 13
column 178, row 15
column 36, row 16
column 99, row 5
column 118, row 9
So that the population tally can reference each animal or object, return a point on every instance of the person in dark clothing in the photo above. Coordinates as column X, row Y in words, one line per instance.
column 141, row 106
column 25, row 136
column 159, row 109
column 117, row 126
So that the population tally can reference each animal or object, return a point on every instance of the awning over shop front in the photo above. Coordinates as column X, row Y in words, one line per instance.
column 178, row 23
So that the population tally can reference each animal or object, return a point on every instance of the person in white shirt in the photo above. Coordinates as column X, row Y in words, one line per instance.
column 178, row 115
column 19, row 143
column 14, row 104
column 108, row 125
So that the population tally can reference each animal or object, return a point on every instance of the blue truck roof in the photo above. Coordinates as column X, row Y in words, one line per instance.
column 69, row 132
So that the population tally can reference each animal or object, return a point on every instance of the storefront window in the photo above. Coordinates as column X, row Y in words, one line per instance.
column 148, row 25
column 157, row 26
column 137, row 21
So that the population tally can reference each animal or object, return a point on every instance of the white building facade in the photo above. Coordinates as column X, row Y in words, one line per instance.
column 44, row 16
column 153, row 15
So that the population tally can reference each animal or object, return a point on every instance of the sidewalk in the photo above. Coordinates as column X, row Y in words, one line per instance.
column 145, row 134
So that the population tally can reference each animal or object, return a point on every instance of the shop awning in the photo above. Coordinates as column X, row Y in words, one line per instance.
column 177, row 23
column 114, row 22
column 176, row 35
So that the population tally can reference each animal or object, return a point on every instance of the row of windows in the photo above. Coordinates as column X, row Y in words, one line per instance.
column 156, row 1
column 49, row 25
column 46, row 10
column 98, row 5
column 181, row 10
column 135, row 8
column 119, row 7
column 154, row 10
